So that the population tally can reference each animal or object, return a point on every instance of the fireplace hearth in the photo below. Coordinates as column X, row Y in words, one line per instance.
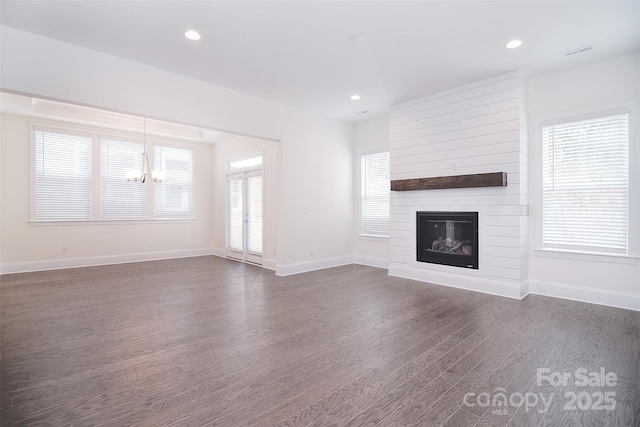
column 448, row 238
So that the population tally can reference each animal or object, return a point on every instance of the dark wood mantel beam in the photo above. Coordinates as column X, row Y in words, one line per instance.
column 494, row 179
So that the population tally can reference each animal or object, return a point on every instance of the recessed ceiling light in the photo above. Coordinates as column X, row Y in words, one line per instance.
column 192, row 35
column 355, row 39
column 355, row 97
column 513, row 44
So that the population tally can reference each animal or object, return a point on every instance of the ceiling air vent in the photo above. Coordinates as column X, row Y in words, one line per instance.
column 578, row 50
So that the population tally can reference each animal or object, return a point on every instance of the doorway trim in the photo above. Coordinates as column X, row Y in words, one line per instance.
column 243, row 169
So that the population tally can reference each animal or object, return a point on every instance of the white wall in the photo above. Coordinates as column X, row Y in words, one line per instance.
column 317, row 173
column 369, row 136
column 472, row 129
column 317, row 167
column 599, row 86
column 27, row 247
column 242, row 146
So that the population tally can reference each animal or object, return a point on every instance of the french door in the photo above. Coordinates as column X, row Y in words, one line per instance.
column 244, row 226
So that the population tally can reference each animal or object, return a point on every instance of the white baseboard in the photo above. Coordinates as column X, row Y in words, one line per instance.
column 58, row 264
column 319, row 264
column 469, row 283
column 371, row 261
column 525, row 288
column 594, row 296
column 219, row 252
column 556, row 290
column 269, row 264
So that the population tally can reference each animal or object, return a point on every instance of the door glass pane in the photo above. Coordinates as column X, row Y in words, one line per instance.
column 254, row 211
column 235, row 214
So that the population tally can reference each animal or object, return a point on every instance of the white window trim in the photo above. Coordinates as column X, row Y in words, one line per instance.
column 587, row 256
column 373, row 238
column 51, row 223
column 96, row 133
column 633, row 253
column 359, row 234
column 237, row 171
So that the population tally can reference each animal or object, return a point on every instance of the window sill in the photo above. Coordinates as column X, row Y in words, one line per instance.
column 44, row 223
column 583, row 256
column 373, row 238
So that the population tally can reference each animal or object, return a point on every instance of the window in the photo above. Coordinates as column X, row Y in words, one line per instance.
column 121, row 199
column 62, row 176
column 374, row 193
column 174, row 194
column 585, row 185
column 81, row 175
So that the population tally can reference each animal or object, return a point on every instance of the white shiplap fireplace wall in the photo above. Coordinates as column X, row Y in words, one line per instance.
column 477, row 128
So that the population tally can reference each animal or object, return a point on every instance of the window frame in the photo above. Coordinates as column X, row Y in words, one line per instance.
column 633, row 190
column 231, row 170
column 126, row 139
column 360, row 234
column 96, row 133
column 35, row 127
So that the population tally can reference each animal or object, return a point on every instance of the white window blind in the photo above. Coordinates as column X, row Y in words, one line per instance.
column 121, row 199
column 63, row 176
column 374, row 170
column 254, row 213
column 173, row 196
column 585, row 185
column 235, row 214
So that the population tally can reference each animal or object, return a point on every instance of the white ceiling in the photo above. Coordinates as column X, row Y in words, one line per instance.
column 298, row 53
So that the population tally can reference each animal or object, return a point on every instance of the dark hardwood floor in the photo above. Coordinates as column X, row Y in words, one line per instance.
column 211, row 342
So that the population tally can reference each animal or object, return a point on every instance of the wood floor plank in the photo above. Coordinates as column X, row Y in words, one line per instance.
column 432, row 337
column 570, row 336
column 207, row 341
column 429, row 363
column 461, row 418
column 412, row 408
column 336, row 418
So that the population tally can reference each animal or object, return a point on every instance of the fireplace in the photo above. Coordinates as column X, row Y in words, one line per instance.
column 449, row 238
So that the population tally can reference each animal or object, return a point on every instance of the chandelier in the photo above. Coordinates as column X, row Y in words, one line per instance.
column 146, row 172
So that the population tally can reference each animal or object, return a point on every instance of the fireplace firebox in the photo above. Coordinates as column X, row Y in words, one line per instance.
column 449, row 238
